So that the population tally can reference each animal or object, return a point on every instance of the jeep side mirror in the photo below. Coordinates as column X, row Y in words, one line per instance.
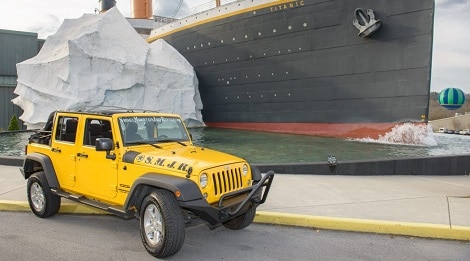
column 105, row 144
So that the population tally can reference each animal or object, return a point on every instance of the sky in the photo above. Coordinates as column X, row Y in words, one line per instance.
column 451, row 47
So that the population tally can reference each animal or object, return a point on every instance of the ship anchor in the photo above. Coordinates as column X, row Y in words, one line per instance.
column 365, row 22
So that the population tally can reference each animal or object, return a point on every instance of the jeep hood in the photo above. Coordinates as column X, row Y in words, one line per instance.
column 181, row 158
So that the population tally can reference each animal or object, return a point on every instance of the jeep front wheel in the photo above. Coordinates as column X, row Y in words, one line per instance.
column 162, row 227
column 40, row 198
column 241, row 221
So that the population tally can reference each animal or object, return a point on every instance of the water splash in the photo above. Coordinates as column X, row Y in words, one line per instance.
column 407, row 134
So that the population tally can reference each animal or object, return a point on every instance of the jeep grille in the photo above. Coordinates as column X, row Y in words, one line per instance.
column 227, row 180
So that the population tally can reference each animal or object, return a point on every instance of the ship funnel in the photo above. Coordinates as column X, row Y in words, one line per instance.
column 142, row 9
column 105, row 5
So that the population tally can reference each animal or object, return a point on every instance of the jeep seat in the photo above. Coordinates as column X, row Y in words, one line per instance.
column 70, row 131
column 131, row 132
column 94, row 132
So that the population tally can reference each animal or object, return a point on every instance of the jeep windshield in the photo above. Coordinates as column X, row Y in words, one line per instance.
column 138, row 130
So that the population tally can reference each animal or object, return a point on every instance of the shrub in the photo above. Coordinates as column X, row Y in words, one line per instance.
column 13, row 124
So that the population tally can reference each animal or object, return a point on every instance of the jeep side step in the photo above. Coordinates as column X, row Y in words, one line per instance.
column 129, row 214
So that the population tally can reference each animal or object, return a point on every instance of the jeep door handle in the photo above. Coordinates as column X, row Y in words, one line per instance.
column 82, row 155
column 56, row 150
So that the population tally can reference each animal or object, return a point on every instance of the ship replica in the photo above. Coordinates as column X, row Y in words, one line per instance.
column 337, row 68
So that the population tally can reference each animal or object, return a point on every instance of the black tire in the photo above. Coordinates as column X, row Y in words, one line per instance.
column 41, row 200
column 162, row 227
column 241, row 221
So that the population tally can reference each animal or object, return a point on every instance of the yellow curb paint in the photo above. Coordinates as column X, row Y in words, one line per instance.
column 10, row 205
column 363, row 225
column 72, row 208
column 318, row 222
column 65, row 208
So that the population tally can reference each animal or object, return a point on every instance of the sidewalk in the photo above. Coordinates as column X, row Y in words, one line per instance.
column 428, row 206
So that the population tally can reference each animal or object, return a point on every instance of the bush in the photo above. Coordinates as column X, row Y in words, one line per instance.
column 13, row 124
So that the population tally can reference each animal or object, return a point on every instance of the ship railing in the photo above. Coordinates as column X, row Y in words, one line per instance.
column 161, row 21
column 209, row 5
column 165, row 25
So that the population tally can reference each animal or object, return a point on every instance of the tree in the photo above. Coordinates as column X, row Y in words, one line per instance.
column 13, row 124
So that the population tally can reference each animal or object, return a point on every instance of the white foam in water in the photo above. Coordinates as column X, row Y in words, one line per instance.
column 407, row 134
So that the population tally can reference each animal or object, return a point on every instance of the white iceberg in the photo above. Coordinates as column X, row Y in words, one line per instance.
column 100, row 61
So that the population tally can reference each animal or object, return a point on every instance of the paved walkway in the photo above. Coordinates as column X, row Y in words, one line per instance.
column 427, row 206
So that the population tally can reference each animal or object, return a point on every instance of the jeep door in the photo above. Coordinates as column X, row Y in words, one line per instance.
column 96, row 174
column 63, row 149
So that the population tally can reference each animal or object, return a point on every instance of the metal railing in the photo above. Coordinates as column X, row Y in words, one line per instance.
column 161, row 21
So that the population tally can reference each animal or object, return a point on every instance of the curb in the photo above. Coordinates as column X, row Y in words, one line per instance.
column 425, row 230
column 315, row 222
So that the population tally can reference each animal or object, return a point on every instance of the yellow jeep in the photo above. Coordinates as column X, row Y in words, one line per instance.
column 144, row 165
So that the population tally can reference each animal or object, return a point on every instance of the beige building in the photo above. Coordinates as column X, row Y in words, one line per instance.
column 456, row 123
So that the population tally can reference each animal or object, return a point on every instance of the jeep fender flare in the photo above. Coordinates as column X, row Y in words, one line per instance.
column 184, row 189
column 31, row 161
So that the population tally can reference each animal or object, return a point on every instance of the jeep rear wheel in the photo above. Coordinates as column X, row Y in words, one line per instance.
column 241, row 221
column 162, row 227
column 40, row 198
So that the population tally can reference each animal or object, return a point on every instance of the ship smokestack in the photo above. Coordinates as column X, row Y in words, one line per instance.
column 217, row 3
column 142, row 9
column 105, row 5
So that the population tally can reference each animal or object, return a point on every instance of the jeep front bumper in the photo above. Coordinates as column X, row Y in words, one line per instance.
column 232, row 204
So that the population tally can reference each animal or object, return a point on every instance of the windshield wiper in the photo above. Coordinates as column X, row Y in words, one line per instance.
column 143, row 143
column 169, row 140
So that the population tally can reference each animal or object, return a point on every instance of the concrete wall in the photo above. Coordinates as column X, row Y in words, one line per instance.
column 438, row 165
column 433, row 165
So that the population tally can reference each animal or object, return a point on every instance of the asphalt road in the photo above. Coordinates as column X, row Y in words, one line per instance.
column 23, row 236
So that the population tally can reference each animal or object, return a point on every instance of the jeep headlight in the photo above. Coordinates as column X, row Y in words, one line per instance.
column 245, row 169
column 203, row 180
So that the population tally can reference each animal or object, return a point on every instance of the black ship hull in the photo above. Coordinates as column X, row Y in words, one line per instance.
column 301, row 67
